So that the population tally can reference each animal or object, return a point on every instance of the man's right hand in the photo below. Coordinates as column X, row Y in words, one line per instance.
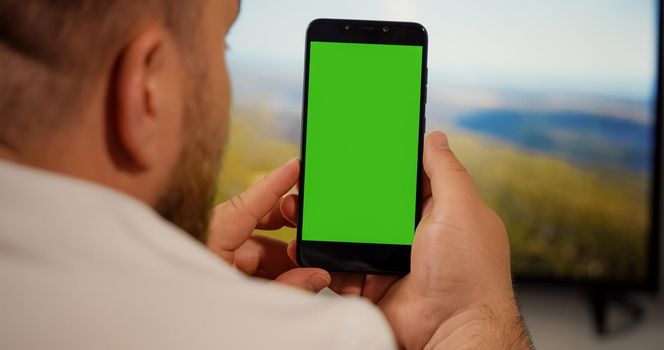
column 458, row 293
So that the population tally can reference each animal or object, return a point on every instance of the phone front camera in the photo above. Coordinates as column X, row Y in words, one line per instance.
column 347, row 27
column 386, row 29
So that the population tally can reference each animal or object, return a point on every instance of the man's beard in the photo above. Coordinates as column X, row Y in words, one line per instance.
column 187, row 198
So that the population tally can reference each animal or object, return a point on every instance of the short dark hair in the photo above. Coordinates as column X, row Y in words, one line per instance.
column 51, row 50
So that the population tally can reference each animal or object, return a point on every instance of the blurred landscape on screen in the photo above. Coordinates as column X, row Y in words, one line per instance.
column 549, row 104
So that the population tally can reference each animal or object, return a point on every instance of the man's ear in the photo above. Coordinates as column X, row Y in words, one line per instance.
column 134, row 116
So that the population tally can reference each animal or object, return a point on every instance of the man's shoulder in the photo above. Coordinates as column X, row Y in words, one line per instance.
column 176, row 304
column 83, row 267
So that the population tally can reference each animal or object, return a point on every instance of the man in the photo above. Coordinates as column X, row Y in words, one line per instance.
column 114, row 111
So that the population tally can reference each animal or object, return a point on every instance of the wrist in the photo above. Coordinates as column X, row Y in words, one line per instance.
column 483, row 326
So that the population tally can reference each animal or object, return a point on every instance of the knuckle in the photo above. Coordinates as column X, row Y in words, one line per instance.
column 239, row 205
column 452, row 162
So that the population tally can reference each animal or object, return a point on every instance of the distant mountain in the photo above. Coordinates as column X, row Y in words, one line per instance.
column 588, row 140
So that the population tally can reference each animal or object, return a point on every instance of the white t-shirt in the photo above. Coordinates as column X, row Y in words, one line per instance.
column 85, row 267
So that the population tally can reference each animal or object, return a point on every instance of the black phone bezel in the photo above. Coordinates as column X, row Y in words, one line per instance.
column 360, row 257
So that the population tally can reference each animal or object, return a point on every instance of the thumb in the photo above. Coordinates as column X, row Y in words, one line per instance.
column 451, row 185
column 307, row 278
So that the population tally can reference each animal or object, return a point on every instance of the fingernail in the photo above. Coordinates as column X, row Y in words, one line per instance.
column 439, row 140
column 291, row 161
column 318, row 281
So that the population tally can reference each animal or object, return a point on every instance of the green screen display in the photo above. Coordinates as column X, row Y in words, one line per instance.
column 362, row 136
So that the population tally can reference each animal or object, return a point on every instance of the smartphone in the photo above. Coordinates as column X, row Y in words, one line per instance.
column 362, row 129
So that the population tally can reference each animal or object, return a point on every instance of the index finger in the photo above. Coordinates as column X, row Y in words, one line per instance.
column 234, row 221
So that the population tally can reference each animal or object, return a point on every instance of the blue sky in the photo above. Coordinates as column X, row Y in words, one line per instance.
column 593, row 46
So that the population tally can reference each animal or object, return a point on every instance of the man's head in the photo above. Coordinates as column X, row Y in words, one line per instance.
column 130, row 94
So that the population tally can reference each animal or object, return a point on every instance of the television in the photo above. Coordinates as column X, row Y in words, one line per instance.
column 554, row 108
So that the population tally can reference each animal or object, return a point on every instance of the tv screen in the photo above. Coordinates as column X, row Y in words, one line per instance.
column 550, row 105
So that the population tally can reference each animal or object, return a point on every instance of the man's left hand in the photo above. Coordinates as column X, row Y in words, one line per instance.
column 262, row 207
